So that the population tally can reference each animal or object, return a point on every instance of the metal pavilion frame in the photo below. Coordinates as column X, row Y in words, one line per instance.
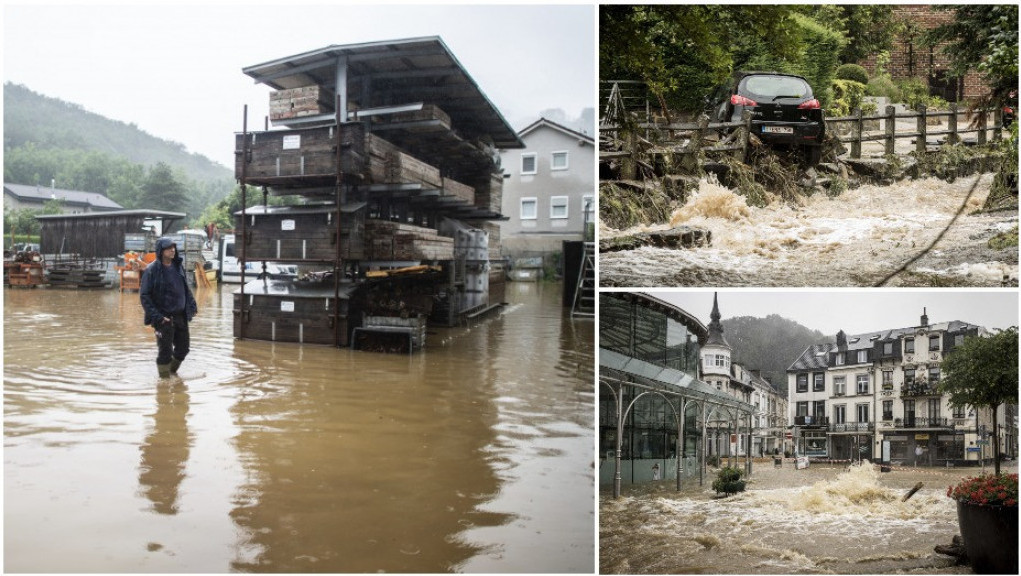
column 618, row 372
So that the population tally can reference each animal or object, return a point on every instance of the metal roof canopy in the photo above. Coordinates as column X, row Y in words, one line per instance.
column 394, row 73
column 672, row 381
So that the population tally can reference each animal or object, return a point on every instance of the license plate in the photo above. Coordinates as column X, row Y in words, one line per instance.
column 778, row 129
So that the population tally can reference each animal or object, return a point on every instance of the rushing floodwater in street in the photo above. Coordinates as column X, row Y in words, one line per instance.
column 855, row 239
column 823, row 520
column 473, row 455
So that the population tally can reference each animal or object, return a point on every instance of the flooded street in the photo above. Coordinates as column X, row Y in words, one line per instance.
column 824, row 520
column 855, row 239
column 474, row 455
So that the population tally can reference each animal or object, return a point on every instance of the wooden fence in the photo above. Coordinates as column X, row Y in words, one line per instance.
column 689, row 138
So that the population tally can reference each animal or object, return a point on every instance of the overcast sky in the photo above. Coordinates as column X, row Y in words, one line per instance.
column 175, row 70
column 855, row 311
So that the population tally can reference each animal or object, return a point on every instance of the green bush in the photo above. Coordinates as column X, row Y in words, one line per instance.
column 852, row 72
column 728, row 481
column 824, row 46
column 882, row 85
column 914, row 92
column 847, row 95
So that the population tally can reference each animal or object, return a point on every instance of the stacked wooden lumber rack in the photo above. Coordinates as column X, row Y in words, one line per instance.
column 386, row 153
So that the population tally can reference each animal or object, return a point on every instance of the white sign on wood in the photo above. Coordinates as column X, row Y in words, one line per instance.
column 286, row 306
column 287, row 224
column 292, row 142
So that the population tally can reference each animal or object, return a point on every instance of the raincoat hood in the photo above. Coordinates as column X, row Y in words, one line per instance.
column 162, row 244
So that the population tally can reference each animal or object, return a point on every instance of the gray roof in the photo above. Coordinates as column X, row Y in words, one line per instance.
column 559, row 127
column 396, row 72
column 34, row 193
column 815, row 356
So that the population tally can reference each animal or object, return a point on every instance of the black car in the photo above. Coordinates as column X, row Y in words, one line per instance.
column 784, row 111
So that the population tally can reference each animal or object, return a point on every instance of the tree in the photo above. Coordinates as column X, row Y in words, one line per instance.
column 983, row 372
column 162, row 190
column 683, row 52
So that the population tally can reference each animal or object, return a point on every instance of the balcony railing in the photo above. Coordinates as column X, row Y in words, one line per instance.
column 811, row 420
column 852, row 427
column 920, row 388
column 923, row 422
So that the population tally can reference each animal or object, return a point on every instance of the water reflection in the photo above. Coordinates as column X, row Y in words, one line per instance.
column 165, row 449
column 472, row 455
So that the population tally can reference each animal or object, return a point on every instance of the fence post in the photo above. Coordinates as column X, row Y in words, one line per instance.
column 920, row 130
column 981, row 128
column 997, row 123
column 742, row 154
column 856, row 134
column 689, row 155
column 952, row 138
column 891, row 129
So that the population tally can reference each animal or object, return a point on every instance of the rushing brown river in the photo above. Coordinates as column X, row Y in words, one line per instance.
column 827, row 519
column 855, row 239
column 473, row 455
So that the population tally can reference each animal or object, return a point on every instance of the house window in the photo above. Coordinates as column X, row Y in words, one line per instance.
column 818, row 410
column 529, row 208
column 863, row 383
column 721, row 360
column 559, row 161
column 934, row 409
column 887, row 379
column 909, row 376
column 818, row 382
column 933, row 374
column 933, row 343
column 840, row 358
column 958, row 339
column 802, row 384
column 958, row 411
column 863, row 356
column 558, row 207
column 863, row 412
column 802, row 408
column 887, row 409
column 529, row 163
column 909, row 345
column 840, row 414
column 839, row 385
column 887, row 348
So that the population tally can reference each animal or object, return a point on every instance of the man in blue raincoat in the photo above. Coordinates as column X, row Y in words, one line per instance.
column 169, row 306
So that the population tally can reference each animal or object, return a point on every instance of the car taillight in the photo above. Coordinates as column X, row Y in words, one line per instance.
column 737, row 100
column 1008, row 110
column 809, row 105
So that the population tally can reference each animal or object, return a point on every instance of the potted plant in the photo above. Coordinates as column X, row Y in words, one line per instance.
column 728, row 480
column 987, row 516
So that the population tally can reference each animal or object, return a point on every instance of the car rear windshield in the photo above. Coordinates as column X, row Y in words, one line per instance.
column 773, row 86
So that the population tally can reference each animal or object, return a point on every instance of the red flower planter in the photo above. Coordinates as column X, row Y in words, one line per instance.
column 990, row 537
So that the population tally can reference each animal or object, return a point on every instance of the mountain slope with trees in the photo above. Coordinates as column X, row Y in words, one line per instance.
column 769, row 344
column 49, row 140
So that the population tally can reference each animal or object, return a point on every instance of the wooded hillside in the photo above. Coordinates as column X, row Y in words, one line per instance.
column 49, row 139
column 769, row 344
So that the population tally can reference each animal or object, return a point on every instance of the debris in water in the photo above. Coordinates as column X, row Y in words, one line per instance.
column 911, row 492
column 708, row 541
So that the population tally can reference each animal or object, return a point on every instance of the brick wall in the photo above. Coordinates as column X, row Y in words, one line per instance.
column 915, row 61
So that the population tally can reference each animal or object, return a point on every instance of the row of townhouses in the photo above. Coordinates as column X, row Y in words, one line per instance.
column 875, row 396
column 769, row 420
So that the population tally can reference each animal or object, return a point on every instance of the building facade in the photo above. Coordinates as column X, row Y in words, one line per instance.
column 731, row 378
column 548, row 193
column 875, row 396
column 654, row 407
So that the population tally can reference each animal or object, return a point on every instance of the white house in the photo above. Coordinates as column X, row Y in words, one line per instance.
column 549, row 190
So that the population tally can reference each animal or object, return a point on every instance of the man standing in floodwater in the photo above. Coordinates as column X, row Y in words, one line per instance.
column 169, row 306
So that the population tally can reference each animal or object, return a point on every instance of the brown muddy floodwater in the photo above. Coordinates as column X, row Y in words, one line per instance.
column 474, row 455
column 827, row 519
column 855, row 239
